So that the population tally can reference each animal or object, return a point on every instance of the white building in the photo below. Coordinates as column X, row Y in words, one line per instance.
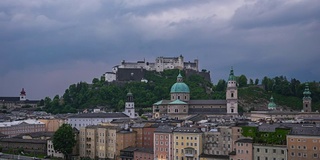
column 82, row 120
column 129, row 106
column 51, row 152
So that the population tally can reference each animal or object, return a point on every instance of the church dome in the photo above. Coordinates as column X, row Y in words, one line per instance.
column 180, row 86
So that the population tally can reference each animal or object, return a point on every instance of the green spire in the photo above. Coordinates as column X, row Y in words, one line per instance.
column 179, row 77
column 231, row 75
column 306, row 92
column 271, row 104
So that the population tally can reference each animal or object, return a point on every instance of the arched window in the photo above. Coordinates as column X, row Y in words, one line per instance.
column 231, row 95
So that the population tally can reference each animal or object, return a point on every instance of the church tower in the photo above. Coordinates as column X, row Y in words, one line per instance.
column 232, row 94
column 23, row 96
column 307, row 99
column 129, row 106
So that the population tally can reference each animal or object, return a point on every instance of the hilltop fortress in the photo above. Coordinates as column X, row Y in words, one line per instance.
column 135, row 71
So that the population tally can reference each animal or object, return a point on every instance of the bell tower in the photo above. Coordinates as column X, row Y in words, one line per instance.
column 23, row 96
column 129, row 106
column 307, row 99
column 232, row 94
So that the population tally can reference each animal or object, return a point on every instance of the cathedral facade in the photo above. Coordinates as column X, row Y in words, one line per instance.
column 181, row 106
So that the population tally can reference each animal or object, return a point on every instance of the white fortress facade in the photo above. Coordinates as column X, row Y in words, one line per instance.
column 160, row 64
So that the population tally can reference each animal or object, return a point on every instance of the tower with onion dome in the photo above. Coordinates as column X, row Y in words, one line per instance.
column 272, row 105
column 23, row 96
column 307, row 99
column 129, row 106
column 232, row 94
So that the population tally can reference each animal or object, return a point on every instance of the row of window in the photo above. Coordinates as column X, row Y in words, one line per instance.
column 191, row 138
column 273, row 151
column 315, row 155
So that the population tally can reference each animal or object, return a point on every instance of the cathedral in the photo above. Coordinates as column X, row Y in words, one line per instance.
column 180, row 106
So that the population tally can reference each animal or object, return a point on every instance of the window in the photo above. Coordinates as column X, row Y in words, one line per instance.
column 315, row 155
column 258, row 149
column 266, row 150
column 282, row 151
column 274, row 150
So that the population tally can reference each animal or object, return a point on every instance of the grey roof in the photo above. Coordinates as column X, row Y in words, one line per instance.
column 197, row 118
column 165, row 129
column 207, row 102
column 36, row 134
column 207, row 111
column 10, row 99
column 245, row 140
column 99, row 115
column 307, row 130
column 162, row 102
column 138, row 125
column 18, row 140
column 188, row 130
column 272, row 127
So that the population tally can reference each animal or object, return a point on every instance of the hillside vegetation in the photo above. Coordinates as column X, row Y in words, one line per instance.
column 112, row 96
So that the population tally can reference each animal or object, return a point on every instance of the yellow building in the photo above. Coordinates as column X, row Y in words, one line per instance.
column 52, row 125
column 98, row 141
column 187, row 143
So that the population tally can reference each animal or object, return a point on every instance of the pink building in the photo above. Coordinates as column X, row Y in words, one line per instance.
column 163, row 146
column 143, row 154
column 243, row 150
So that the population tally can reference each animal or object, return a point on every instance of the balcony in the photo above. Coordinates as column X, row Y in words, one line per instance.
column 189, row 152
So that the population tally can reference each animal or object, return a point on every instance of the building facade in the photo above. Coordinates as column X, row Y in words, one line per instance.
column 303, row 143
column 82, row 120
column 163, row 143
column 180, row 106
column 15, row 128
column 187, row 143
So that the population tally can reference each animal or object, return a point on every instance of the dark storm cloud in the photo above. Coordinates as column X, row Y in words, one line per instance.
column 48, row 45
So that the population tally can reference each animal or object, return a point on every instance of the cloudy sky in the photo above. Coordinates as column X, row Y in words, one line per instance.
column 46, row 45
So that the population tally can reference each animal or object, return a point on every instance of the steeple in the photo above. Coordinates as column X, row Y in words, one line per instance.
column 307, row 100
column 23, row 95
column 129, row 97
column 271, row 104
column 231, row 75
column 129, row 106
column 306, row 93
column 179, row 78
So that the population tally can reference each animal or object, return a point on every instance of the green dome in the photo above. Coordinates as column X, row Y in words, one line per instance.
column 180, row 87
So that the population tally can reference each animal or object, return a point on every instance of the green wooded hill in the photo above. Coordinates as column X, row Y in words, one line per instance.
column 112, row 96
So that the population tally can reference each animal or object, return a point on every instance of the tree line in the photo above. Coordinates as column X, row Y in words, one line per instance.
column 112, row 96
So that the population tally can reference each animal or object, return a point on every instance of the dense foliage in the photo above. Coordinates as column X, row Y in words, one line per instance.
column 112, row 96
column 64, row 140
column 278, row 137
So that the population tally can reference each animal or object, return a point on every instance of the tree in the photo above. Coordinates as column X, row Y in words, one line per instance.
column 64, row 140
column 243, row 81
column 221, row 86
column 251, row 82
column 256, row 82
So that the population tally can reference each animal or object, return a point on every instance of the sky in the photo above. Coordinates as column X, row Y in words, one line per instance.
column 47, row 45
